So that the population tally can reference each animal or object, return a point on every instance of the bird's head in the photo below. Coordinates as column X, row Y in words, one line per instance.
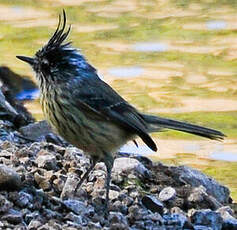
column 58, row 60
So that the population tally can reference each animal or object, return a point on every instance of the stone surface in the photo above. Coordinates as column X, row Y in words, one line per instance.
column 196, row 178
column 229, row 222
column 207, row 218
column 13, row 216
column 36, row 131
column 199, row 199
column 129, row 164
column 153, row 204
column 167, row 194
column 9, row 179
column 78, row 207
column 47, row 161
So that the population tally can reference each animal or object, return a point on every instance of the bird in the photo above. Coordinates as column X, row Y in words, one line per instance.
column 86, row 111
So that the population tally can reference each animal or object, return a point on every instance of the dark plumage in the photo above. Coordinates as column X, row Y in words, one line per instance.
column 86, row 111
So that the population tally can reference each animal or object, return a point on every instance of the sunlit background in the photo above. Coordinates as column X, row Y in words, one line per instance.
column 175, row 58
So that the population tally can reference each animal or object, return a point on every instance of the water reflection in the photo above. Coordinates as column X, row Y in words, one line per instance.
column 150, row 47
column 132, row 148
column 216, row 25
column 133, row 71
column 224, row 156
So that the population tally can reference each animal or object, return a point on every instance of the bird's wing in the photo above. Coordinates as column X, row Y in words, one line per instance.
column 99, row 98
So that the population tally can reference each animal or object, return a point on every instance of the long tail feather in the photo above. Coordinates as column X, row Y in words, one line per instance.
column 158, row 123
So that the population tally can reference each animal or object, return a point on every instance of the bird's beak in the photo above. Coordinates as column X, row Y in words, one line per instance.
column 29, row 60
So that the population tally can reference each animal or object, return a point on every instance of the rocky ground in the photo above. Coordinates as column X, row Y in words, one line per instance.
column 39, row 173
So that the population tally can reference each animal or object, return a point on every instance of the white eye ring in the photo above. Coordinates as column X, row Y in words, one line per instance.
column 45, row 62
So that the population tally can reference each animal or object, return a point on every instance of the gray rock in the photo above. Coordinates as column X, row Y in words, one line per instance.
column 177, row 210
column 229, row 222
column 36, row 130
column 5, row 205
column 94, row 226
column 31, row 216
column 176, row 220
column 78, row 207
column 117, row 221
column 70, row 186
column 34, row 224
column 113, row 195
column 207, row 218
column 13, row 216
column 153, row 204
column 196, row 178
column 167, row 194
column 199, row 199
column 42, row 182
column 201, row 227
column 6, row 107
column 46, row 160
column 24, row 199
column 117, row 206
column 129, row 165
column 79, row 219
column 9, row 179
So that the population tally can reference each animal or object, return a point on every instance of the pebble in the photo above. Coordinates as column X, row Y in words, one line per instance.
column 9, row 179
column 207, row 218
column 167, row 194
column 13, row 216
column 78, row 207
column 47, row 161
column 153, row 204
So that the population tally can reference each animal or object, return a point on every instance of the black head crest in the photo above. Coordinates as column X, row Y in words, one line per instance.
column 59, row 35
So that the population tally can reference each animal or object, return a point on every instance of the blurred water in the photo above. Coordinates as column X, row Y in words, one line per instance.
column 216, row 25
column 224, row 156
column 133, row 71
column 150, row 47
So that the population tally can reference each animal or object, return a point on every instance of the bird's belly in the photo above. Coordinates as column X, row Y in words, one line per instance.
column 85, row 131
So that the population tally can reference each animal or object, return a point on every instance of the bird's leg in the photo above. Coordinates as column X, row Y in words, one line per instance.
column 93, row 163
column 109, row 161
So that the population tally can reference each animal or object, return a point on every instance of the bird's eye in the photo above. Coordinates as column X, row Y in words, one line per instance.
column 45, row 62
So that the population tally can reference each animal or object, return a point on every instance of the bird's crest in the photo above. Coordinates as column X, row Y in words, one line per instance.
column 59, row 36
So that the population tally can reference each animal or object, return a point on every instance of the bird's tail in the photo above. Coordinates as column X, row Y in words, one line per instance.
column 156, row 123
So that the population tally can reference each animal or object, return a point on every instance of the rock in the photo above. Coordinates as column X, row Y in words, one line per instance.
column 47, row 161
column 79, row 219
column 207, row 218
column 94, row 226
column 201, row 227
column 126, row 165
column 78, row 207
column 5, row 205
column 42, row 182
column 229, row 222
column 13, row 216
column 176, row 220
column 167, row 194
column 24, row 199
column 34, row 224
column 9, row 179
column 196, row 178
column 113, row 195
column 199, row 199
column 36, row 131
column 117, row 221
column 31, row 216
column 70, row 186
column 153, row 204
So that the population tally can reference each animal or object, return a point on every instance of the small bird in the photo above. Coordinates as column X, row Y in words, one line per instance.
column 86, row 111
